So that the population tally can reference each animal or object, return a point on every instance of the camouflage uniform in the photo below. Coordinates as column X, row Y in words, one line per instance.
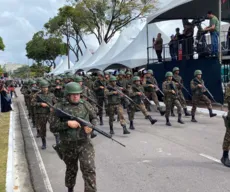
column 76, row 145
column 198, row 95
column 114, row 104
column 171, row 98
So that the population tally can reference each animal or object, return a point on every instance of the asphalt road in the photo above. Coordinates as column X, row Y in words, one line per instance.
column 181, row 158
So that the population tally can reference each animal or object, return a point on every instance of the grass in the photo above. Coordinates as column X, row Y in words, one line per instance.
column 4, row 131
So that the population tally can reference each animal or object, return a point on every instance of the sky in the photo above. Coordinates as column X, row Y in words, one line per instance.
column 20, row 19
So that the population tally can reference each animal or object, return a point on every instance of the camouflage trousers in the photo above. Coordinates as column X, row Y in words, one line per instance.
column 132, row 109
column 169, row 102
column 152, row 96
column 195, row 101
column 42, row 120
column 85, row 154
column 181, row 99
column 100, row 102
column 226, row 142
column 112, row 109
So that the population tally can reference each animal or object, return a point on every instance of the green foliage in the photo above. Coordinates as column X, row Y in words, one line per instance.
column 22, row 72
column 111, row 15
column 45, row 49
column 2, row 46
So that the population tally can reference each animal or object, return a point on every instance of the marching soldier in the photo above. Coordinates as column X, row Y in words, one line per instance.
column 75, row 142
column 198, row 90
column 99, row 87
column 179, row 83
column 114, row 104
column 151, row 86
column 42, row 109
column 136, row 93
column 171, row 98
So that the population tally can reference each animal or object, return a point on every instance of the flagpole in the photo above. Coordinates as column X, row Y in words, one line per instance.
column 220, row 18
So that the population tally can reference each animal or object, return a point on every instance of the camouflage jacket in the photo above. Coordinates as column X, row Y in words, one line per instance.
column 36, row 102
column 113, row 99
column 96, row 86
column 132, row 92
column 197, row 91
column 83, row 110
column 227, row 94
column 167, row 88
column 178, row 79
column 149, row 81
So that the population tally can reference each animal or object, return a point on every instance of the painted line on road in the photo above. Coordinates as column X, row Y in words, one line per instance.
column 38, row 156
column 210, row 157
column 10, row 157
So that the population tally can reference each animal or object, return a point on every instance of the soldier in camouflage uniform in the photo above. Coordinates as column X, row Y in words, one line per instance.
column 43, row 110
column 114, row 104
column 99, row 87
column 75, row 142
column 198, row 90
column 226, row 142
column 136, row 93
column 179, row 83
column 151, row 86
column 171, row 97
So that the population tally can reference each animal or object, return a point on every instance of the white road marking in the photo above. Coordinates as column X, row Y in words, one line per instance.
column 38, row 156
column 10, row 157
column 210, row 158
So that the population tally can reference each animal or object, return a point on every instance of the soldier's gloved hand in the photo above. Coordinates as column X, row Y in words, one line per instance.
column 151, row 85
column 199, row 85
column 88, row 129
column 73, row 124
column 173, row 92
column 139, row 93
column 44, row 105
column 101, row 87
column 115, row 92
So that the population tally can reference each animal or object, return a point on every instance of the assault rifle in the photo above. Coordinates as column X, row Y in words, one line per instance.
column 91, row 100
column 144, row 96
column 173, row 88
column 206, row 89
column 157, row 88
column 182, row 87
column 62, row 114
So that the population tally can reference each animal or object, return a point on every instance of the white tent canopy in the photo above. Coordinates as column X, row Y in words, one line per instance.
column 101, row 51
column 58, row 66
column 135, row 54
column 125, row 38
column 87, row 54
column 63, row 67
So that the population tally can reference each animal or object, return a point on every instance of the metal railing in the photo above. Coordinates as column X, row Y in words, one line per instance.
column 189, row 48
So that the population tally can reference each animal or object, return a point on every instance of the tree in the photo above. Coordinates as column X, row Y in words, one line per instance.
column 104, row 18
column 22, row 72
column 67, row 24
column 46, row 50
column 2, row 46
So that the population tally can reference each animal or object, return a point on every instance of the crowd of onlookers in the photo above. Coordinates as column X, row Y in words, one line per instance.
column 181, row 45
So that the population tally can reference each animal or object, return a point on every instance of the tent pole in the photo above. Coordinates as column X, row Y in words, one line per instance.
column 147, row 32
column 220, row 18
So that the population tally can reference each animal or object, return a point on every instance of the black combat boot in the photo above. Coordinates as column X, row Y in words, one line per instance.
column 179, row 119
column 101, row 121
column 186, row 112
column 172, row 113
column 125, row 131
column 111, row 129
column 211, row 114
column 152, row 121
column 43, row 143
column 131, row 125
column 225, row 160
column 57, row 138
column 193, row 119
column 168, row 122
column 93, row 134
column 38, row 134
column 70, row 189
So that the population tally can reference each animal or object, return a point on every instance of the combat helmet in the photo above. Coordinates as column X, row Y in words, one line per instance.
column 150, row 71
column 176, row 69
column 73, row 88
column 136, row 78
column 197, row 72
column 44, row 84
column 112, row 78
column 78, row 79
column 168, row 74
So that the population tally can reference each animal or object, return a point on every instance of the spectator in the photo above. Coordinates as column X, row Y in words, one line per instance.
column 172, row 47
column 5, row 98
column 177, row 38
column 153, row 42
column 158, row 44
column 214, row 29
